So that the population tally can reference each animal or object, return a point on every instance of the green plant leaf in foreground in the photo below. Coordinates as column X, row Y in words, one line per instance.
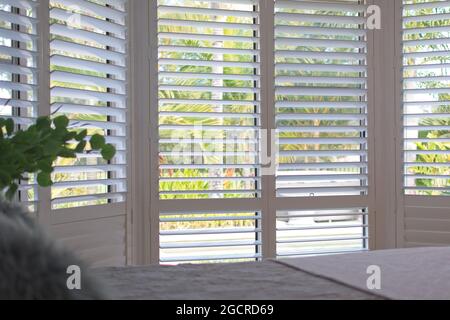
column 97, row 141
column 44, row 179
column 108, row 152
column 34, row 150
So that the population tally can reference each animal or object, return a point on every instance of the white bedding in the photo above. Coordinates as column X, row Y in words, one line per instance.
column 266, row 280
column 422, row 273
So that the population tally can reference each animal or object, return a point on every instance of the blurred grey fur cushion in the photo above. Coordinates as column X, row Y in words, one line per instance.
column 32, row 266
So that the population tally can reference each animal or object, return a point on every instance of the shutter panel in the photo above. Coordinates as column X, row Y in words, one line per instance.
column 203, row 236
column 209, row 116
column 18, row 74
column 88, row 74
column 88, row 84
column 321, row 110
column 426, row 98
column 321, row 231
column 426, row 122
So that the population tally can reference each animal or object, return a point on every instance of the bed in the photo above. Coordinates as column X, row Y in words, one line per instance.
column 422, row 273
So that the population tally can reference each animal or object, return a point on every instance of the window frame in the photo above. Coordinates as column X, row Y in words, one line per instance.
column 388, row 206
column 268, row 203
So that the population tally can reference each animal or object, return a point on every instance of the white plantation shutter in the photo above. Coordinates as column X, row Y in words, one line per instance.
column 221, row 72
column 426, row 87
column 18, row 73
column 209, row 121
column 321, row 110
column 426, row 122
column 88, row 84
column 321, row 231
column 209, row 236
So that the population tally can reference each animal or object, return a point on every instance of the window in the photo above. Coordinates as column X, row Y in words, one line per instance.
column 245, row 129
column 214, row 121
column 426, row 94
column 321, row 99
column 18, row 73
column 424, row 205
column 88, row 84
column 209, row 100
column 199, row 237
column 209, row 121
column 321, row 231
column 322, row 127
